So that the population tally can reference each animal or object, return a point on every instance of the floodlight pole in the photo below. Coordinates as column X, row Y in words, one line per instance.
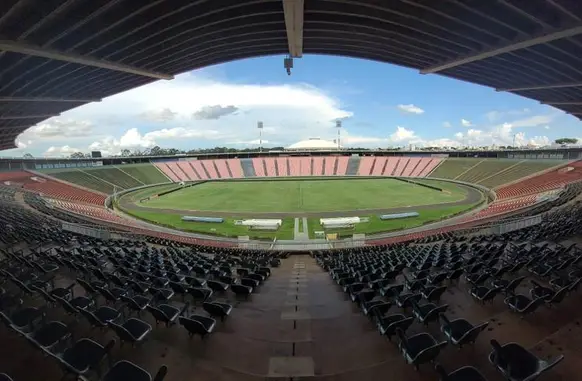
column 260, row 127
column 338, row 125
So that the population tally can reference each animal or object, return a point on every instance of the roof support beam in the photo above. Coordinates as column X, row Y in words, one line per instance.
column 566, row 103
column 40, row 116
column 47, row 99
column 37, row 51
column 543, row 87
column 515, row 45
column 21, row 127
column 294, row 10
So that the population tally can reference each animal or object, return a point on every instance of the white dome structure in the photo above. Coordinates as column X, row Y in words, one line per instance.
column 313, row 144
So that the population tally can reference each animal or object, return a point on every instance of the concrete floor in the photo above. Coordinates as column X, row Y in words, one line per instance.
column 301, row 325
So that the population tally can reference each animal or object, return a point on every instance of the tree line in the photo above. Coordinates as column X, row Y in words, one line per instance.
column 159, row 151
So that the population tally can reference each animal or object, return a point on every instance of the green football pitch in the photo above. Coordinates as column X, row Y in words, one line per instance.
column 306, row 196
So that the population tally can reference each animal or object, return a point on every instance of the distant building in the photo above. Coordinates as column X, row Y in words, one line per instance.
column 313, row 144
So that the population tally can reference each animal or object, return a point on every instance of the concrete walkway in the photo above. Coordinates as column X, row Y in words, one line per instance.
column 302, row 235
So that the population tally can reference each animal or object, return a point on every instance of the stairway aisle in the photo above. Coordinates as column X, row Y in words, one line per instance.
column 299, row 325
column 327, row 333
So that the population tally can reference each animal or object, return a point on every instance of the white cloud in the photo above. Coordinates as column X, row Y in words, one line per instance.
column 161, row 115
column 371, row 141
column 214, row 112
column 547, row 127
column 402, row 135
column 132, row 139
column 58, row 129
column 410, row 109
column 496, row 115
column 254, row 142
column 539, row 141
column 533, row 121
column 65, row 150
column 493, row 116
column 193, row 112
column 197, row 112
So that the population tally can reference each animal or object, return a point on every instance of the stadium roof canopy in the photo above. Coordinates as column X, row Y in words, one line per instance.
column 59, row 54
column 313, row 144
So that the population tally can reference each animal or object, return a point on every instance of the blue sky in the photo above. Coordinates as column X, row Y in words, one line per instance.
column 381, row 106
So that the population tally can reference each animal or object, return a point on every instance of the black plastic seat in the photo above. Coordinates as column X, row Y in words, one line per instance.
column 507, row 286
column 420, row 348
column 137, row 303
column 517, row 363
column 478, row 278
column 392, row 290
column 166, row 313
column 118, row 281
column 50, row 334
column 405, row 300
column 139, row 287
column 24, row 319
column 200, row 294
column 427, row 313
column 132, row 330
column 485, row 294
column 179, row 288
column 258, row 277
column 242, row 290
column 433, row 293
column 460, row 331
column 539, row 291
column 195, row 282
column 85, row 355
column 162, row 294
column 217, row 286
column 376, row 307
column 198, row 325
column 126, row 371
column 455, row 275
column 101, row 316
column 387, row 325
column 217, row 310
column 549, row 295
column 45, row 267
column 73, row 306
column 176, row 277
column 466, row 373
column 522, row 304
column 113, row 294
column 249, row 282
column 542, row 269
column 63, row 292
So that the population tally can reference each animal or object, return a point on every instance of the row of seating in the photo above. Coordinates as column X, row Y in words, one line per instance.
column 51, row 188
column 490, row 173
column 109, row 284
column 554, row 179
column 102, row 215
column 398, row 166
column 106, row 178
column 377, row 280
column 193, row 170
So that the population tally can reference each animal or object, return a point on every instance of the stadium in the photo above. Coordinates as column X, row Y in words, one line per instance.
column 311, row 262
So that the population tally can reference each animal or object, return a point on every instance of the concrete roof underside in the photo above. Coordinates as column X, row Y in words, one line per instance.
column 59, row 54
